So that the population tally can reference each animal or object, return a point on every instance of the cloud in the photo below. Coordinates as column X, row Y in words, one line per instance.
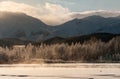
column 51, row 14
column 54, row 14
column 103, row 13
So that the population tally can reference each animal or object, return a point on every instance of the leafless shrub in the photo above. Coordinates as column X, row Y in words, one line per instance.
column 92, row 51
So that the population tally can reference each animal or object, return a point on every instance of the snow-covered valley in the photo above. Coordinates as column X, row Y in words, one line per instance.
column 60, row 71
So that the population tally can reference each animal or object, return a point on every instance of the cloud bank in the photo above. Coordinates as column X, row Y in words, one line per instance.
column 51, row 14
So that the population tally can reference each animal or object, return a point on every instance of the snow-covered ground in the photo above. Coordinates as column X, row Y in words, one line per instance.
column 60, row 71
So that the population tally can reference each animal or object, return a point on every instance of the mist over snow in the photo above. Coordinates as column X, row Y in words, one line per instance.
column 52, row 14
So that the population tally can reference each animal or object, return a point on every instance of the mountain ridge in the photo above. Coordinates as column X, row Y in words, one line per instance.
column 13, row 24
column 22, row 26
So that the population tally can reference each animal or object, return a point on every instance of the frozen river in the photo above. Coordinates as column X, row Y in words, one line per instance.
column 60, row 71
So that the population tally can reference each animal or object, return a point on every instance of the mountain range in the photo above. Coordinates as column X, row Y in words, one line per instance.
column 22, row 26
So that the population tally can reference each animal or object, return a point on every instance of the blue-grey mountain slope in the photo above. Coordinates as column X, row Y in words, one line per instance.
column 19, row 25
column 89, row 25
column 22, row 26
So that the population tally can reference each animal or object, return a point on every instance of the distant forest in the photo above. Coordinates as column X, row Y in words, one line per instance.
column 94, row 48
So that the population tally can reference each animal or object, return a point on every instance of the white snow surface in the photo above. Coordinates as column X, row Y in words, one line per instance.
column 60, row 71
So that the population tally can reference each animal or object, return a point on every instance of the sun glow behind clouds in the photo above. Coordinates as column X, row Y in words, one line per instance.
column 16, row 7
